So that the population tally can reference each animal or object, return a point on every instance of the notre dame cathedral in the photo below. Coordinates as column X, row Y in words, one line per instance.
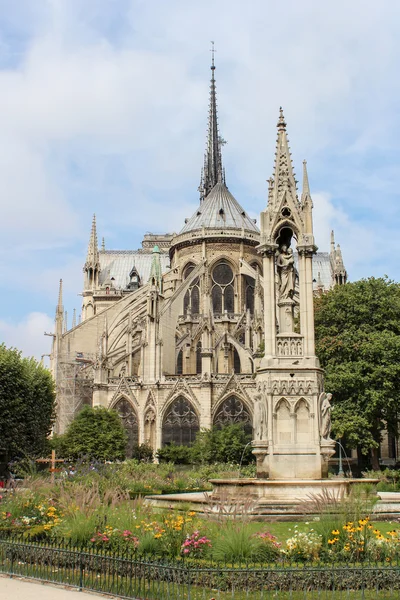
column 173, row 335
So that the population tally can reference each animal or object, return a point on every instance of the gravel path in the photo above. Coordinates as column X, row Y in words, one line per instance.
column 22, row 589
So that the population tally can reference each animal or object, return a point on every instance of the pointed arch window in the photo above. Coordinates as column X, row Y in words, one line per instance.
column 180, row 424
column 222, row 288
column 198, row 358
column 129, row 420
column 236, row 361
column 191, row 301
column 249, row 284
column 179, row 363
column 233, row 411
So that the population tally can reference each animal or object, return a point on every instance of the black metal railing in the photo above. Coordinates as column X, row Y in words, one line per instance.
column 133, row 576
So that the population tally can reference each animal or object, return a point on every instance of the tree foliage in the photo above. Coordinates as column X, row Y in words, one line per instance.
column 357, row 329
column 229, row 444
column 97, row 433
column 27, row 404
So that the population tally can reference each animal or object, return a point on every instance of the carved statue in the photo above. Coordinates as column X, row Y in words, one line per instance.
column 260, row 418
column 286, row 273
column 325, row 414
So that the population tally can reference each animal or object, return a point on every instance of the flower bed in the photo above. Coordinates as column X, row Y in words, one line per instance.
column 95, row 512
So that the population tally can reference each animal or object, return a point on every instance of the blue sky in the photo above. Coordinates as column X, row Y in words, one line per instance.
column 103, row 108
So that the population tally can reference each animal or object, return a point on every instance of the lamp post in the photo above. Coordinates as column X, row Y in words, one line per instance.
column 340, row 472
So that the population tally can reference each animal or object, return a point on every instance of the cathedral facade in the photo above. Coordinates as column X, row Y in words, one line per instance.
column 187, row 332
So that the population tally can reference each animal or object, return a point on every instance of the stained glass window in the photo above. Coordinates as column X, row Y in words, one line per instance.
column 191, row 301
column 223, row 274
column 233, row 411
column 236, row 361
column 198, row 358
column 249, row 283
column 181, row 423
column 130, row 422
column 222, row 290
column 179, row 363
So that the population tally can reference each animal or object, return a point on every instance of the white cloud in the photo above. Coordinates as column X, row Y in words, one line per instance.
column 28, row 334
column 103, row 109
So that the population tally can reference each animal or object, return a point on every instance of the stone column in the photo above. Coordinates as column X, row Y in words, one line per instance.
column 306, row 252
column 268, row 252
column 303, row 302
column 310, row 304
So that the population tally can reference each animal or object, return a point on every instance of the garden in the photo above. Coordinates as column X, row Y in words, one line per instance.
column 94, row 529
column 103, row 507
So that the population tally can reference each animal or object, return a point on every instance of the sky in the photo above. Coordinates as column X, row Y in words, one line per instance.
column 103, row 109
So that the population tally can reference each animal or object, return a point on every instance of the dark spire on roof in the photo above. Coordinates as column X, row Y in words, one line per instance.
column 212, row 172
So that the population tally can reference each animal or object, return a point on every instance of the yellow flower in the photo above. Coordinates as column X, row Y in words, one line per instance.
column 332, row 541
column 335, row 532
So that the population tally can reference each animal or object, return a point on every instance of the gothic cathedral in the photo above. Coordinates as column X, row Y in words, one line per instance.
column 210, row 326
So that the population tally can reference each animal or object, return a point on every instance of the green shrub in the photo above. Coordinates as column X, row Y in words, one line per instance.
column 178, row 455
column 143, row 453
column 231, row 444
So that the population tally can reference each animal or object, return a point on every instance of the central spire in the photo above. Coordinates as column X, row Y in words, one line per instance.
column 212, row 172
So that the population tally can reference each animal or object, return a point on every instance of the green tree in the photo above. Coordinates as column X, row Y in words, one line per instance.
column 357, row 329
column 27, row 404
column 97, row 433
column 229, row 444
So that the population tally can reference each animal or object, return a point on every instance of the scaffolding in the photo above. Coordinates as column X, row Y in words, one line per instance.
column 74, row 386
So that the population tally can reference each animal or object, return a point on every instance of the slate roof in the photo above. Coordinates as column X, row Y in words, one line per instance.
column 119, row 263
column 220, row 210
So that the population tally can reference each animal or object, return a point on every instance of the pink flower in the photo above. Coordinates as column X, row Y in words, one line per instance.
column 127, row 533
column 105, row 539
column 92, row 539
column 186, row 551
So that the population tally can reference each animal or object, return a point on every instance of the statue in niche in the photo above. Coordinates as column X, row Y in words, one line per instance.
column 260, row 417
column 325, row 415
column 286, row 273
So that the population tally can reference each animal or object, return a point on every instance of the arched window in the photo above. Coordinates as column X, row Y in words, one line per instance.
column 130, row 422
column 191, row 301
column 188, row 269
column 232, row 411
column 249, row 284
column 198, row 358
column 181, row 423
column 236, row 361
column 257, row 267
column 179, row 363
column 222, row 288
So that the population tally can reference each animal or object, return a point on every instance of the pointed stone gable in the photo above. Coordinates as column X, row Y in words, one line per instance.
column 233, row 386
column 150, row 402
column 181, row 387
column 124, row 390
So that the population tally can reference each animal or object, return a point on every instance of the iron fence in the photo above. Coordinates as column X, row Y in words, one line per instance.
column 140, row 577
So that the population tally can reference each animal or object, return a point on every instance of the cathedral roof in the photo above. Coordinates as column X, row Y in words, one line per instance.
column 119, row 263
column 220, row 210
